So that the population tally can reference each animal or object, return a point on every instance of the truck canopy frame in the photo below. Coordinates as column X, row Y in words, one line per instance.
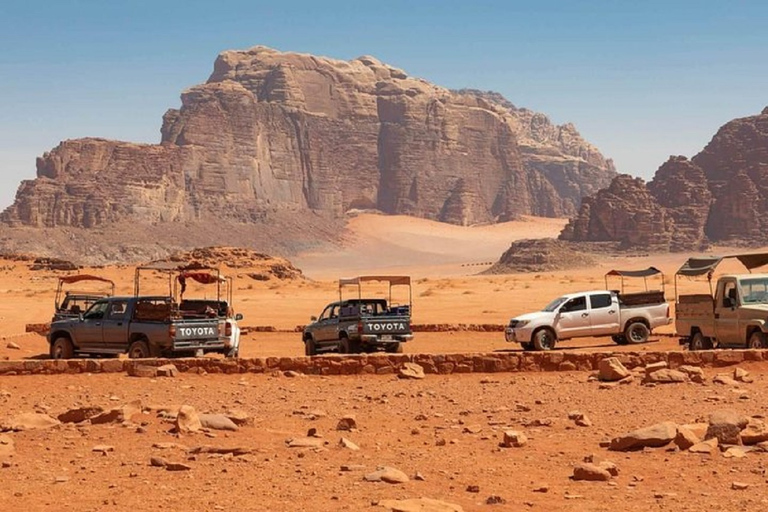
column 697, row 266
column 644, row 273
column 390, row 280
column 179, row 272
column 77, row 278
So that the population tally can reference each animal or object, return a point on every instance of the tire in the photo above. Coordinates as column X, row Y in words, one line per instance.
column 528, row 346
column 619, row 339
column 233, row 353
column 139, row 349
column 544, row 339
column 310, row 349
column 62, row 348
column 394, row 348
column 345, row 347
column 756, row 340
column 637, row 332
column 699, row 342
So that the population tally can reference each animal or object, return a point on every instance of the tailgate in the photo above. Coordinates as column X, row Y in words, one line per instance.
column 191, row 331
column 387, row 325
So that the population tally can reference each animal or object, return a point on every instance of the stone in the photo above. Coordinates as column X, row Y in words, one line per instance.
column 118, row 414
column 217, row 422
column 610, row 467
column 410, row 371
column 742, row 375
column 167, row 370
column 79, row 414
column 305, row 442
column 103, row 448
column 707, row 447
column 686, row 438
column 420, row 505
column 387, row 474
column 347, row 423
column 610, row 369
column 580, row 419
column 369, row 130
column 590, row 472
column 514, row 439
column 29, row 421
column 755, row 432
column 177, row 466
column 187, row 420
column 660, row 365
column 239, row 418
column 739, row 486
column 158, row 462
column 142, row 370
column 735, row 452
column 666, row 376
column 695, row 373
column 349, row 445
column 13, row 346
column 656, row 435
column 726, row 425
column 724, row 379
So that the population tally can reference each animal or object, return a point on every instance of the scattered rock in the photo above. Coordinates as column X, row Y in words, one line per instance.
column 742, row 375
column 410, row 371
column 755, row 432
column 158, row 462
column 707, row 447
column 217, row 422
column 580, row 419
column 29, row 421
column 305, row 442
column 142, row 370
column 79, row 414
column 739, row 486
column 167, row 370
column 590, row 472
column 346, row 443
column 735, row 452
column 666, row 376
column 725, row 379
column 514, row 439
column 495, row 500
column 118, row 414
column 347, row 423
column 473, row 488
column 686, row 438
column 610, row 369
column 657, row 435
column 177, row 466
column 13, row 346
column 420, row 505
column 726, row 425
column 610, row 467
column 239, row 418
column 660, row 365
column 103, row 449
column 387, row 474
column 187, row 420
column 695, row 373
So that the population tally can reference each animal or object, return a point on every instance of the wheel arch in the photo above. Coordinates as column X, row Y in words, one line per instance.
column 632, row 320
column 547, row 328
column 60, row 334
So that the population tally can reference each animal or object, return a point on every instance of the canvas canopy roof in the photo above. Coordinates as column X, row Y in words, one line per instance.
column 392, row 280
column 648, row 272
column 83, row 277
column 701, row 265
column 172, row 266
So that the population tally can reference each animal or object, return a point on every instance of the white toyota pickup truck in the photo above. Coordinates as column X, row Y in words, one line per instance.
column 627, row 318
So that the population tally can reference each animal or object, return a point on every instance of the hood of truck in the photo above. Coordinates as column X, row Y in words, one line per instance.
column 756, row 308
column 535, row 316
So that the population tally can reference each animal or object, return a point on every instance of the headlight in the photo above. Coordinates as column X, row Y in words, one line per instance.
column 522, row 323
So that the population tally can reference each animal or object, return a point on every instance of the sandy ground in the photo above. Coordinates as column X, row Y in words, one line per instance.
column 401, row 423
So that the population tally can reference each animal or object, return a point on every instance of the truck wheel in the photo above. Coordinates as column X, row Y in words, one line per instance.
column 233, row 353
column 394, row 348
column 344, row 346
column 637, row 332
column 138, row 350
column 544, row 339
column 310, row 349
column 756, row 340
column 62, row 348
column 619, row 339
column 699, row 342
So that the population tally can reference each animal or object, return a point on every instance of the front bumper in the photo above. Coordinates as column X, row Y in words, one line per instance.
column 514, row 335
column 194, row 345
column 374, row 339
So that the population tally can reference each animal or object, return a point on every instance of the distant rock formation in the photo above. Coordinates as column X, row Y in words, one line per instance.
column 544, row 255
column 717, row 196
column 274, row 134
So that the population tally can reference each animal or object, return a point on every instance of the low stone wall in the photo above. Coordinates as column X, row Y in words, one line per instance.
column 496, row 362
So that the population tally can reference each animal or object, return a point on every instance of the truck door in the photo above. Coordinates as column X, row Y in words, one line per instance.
column 727, row 314
column 88, row 333
column 573, row 318
column 327, row 324
column 115, row 325
column 604, row 314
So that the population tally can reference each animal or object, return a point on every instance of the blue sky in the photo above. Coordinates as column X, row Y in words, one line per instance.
column 641, row 80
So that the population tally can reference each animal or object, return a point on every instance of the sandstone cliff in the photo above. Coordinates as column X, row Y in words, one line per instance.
column 272, row 134
column 716, row 196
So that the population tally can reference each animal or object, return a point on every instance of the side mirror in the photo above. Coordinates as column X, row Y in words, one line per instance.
column 313, row 318
column 238, row 317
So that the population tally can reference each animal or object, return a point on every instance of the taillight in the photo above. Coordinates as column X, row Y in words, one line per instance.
column 667, row 310
column 360, row 326
column 222, row 329
column 228, row 329
column 172, row 331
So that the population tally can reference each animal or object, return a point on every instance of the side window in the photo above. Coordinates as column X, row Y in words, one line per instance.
column 334, row 311
column 730, row 292
column 326, row 314
column 117, row 310
column 575, row 304
column 600, row 301
column 96, row 311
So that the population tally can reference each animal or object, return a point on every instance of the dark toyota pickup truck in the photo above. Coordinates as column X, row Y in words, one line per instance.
column 139, row 326
column 359, row 325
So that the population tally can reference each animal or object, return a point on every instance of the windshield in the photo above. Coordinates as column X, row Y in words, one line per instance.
column 755, row 290
column 552, row 306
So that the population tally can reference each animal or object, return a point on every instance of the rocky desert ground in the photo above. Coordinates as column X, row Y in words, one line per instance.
column 282, row 440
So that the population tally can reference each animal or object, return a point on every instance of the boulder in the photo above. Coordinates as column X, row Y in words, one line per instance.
column 347, row 423
column 706, row 447
column 167, row 370
column 29, row 421
column 217, row 422
column 387, row 474
column 590, row 472
column 610, row 369
column 726, row 425
column 410, row 371
column 118, row 414
column 742, row 375
column 80, row 414
column 657, row 435
column 695, row 373
column 686, row 438
column 187, row 420
column 666, row 376
column 514, row 439
column 755, row 432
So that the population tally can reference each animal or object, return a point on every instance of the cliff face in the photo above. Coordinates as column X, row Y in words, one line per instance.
column 718, row 195
column 284, row 132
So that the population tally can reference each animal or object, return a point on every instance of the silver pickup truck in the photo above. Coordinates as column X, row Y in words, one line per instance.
column 139, row 326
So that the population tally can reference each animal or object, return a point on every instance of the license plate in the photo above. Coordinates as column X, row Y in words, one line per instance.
column 386, row 337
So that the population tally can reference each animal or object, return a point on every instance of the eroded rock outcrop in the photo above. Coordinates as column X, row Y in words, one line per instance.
column 287, row 132
column 715, row 196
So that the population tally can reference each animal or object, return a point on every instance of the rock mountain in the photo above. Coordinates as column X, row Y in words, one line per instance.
column 719, row 195
column 273, row 136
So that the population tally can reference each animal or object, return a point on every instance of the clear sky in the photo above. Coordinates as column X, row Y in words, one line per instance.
column 640, row 79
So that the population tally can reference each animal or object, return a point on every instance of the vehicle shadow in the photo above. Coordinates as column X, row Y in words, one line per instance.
column 582, row 347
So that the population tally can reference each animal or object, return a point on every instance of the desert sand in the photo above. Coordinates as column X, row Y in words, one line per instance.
column 443, row 432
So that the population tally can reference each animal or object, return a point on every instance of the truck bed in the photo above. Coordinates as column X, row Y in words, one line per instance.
column 695, row 310
column 641, row 298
